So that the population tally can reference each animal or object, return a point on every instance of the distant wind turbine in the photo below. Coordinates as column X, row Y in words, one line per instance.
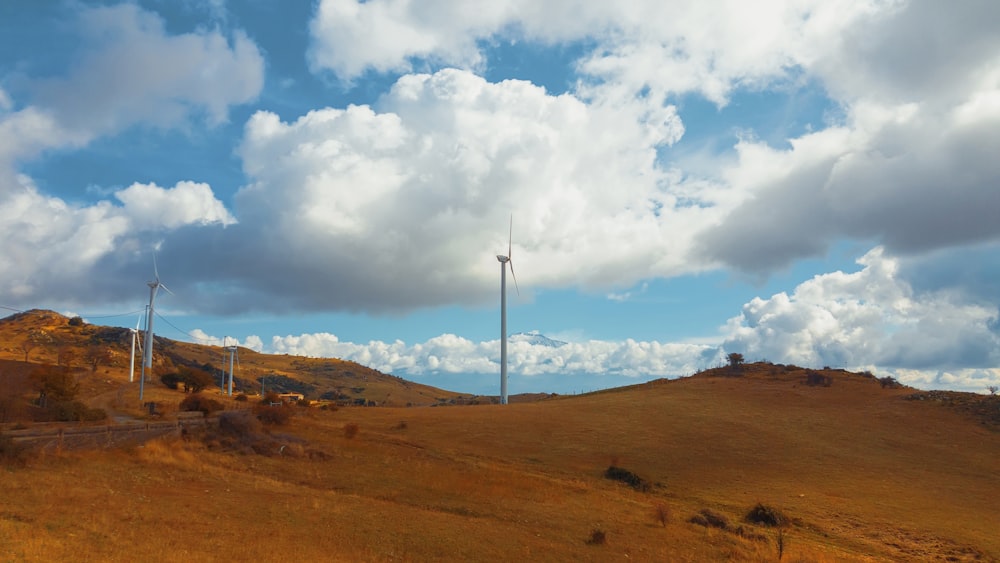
column 147, row 361
column 504, row 261
column 131, row 358
column 234, row 352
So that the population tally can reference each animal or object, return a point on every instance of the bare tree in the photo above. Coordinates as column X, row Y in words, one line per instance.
column 27, row 345
column 95, row 355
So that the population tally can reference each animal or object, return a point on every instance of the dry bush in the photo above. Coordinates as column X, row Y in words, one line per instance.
column 277, row 415
column 889, row 382
column 662, row 513
column 625, row 476
column 749, row 533
column 597, row 537
column 816, row 379
column 765, row 516
column 198, row 402
column 74, row 411
column 239, row 424
column 710, row 519
column 12, row 454
column 168, row 451
column 350, row 430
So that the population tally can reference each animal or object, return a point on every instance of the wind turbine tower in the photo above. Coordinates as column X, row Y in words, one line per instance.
column 233, row 351
column 504, row 261
column 131, row 358
column 147, row 350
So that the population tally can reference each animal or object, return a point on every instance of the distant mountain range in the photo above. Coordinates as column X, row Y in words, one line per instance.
column 536, row 338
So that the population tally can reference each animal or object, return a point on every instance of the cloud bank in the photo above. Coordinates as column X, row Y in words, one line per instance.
column 865, row 320
column 400, row 204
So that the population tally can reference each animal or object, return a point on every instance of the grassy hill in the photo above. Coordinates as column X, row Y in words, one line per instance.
column 858, row 472
column 100, row 356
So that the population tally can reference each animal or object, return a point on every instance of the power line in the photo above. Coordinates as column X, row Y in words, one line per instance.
column 111, row 316
column 184, row 332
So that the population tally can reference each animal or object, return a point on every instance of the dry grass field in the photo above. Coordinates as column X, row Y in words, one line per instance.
column 859, row 472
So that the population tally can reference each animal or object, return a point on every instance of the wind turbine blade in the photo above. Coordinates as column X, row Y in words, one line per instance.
column 510, row 247
column 510, row 238
column 165, row 288
column 156, row 272
column 511, row 264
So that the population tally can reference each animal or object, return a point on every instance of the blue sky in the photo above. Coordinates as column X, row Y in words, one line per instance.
column 810, row 183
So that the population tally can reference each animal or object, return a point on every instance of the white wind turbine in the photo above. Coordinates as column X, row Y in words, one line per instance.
column 147, row 349
column 234, row 352
column 504, row 261
column 131, row 358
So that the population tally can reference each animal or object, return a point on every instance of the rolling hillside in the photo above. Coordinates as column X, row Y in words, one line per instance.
column 857, row 471
column 100, row 356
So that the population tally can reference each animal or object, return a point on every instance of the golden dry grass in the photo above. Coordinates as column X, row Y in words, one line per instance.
column 864, row 474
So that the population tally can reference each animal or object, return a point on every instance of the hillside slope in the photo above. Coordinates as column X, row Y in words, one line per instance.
column 860, row 472
column 100, row 355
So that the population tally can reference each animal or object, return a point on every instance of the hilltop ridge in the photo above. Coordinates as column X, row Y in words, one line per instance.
column 42, row 336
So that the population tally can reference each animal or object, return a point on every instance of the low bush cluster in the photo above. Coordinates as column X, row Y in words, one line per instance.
column 12, row 454
column 816, row 379
column 765, row 516
column 597, row 537
column 616, row 473
column 888, row 382
column 243, row 432
column 198, row 402
column 710, row 519
column 73, row 411
column 271, row 414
